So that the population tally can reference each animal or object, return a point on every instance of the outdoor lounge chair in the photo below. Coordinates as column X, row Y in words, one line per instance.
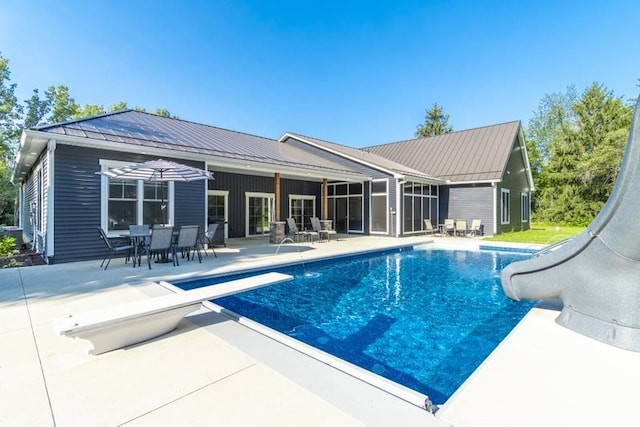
column 428, row 228
column 293, row 231
column 113, row 249
column 449, row 227
column 187, row 242
column 317, row 227
column 476, row 228
column 461, row 227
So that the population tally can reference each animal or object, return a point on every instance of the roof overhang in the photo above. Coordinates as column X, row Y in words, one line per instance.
column 32, row 144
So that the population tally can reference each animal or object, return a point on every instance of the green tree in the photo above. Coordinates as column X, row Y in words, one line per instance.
column 36, row 110
column 88, row 110
column 435, row 122
column 584, row 156
column 63, row 106
column 9, row 114
column 122, row 105
column 9, row 140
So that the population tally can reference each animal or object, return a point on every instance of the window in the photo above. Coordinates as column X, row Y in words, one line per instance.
column 346, row 207
column 128, row 202
column 505, row 206
column 379, row 208
column 525, row 207
column 419, row 202
column 122, row 204
column 301, row 209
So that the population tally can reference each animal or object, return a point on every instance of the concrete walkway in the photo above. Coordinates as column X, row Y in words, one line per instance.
column 210, row 371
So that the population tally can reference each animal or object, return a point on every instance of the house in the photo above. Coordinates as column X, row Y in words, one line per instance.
column 486, row 173
column 258, row 183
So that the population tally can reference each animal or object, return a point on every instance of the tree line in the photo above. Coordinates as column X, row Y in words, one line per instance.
column 575, row 144
column 54, row 105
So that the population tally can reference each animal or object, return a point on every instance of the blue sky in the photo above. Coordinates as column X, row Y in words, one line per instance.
column 354, row 72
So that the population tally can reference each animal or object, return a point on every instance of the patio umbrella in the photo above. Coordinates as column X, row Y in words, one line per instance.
column 160, row 171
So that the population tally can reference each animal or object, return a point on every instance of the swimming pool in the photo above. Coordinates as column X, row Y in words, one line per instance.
column 423, row 318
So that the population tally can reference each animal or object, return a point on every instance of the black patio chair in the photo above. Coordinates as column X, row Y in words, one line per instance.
column 118, row 247
column 211, row 232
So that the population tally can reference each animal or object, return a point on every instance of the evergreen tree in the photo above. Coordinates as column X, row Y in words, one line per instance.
column 435, row 122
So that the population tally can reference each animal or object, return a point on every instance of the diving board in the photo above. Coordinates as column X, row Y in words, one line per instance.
column 122, row 325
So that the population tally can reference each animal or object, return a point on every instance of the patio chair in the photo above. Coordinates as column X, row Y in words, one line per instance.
column 113, row 249
column 162, row 243
column 449, row 227
column 476, row 227
column 293, row 231
column 317, row 228
column 211, row 231
column 461, row 227
column 140, row 236
column 187, row 242
column 428, row 228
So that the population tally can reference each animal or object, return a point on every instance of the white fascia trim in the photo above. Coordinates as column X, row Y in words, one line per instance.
column 486, row 181
column 338, row 153
column 525, row 156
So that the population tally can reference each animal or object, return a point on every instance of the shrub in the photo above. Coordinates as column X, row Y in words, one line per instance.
column 7, row 245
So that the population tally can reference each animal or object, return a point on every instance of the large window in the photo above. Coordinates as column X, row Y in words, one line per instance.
column 419, row 202
column 128, row 202
column 346, row 204
column 505, row 206
column 379, row 206
column 301, row 209
column 524, row 207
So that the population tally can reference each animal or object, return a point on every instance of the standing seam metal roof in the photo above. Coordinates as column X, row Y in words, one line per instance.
column 149, row 130
column 479, row 154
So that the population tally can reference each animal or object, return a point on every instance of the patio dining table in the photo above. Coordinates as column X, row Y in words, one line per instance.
column 138, row 240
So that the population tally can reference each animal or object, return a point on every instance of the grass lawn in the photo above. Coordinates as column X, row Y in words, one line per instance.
column 546, row 234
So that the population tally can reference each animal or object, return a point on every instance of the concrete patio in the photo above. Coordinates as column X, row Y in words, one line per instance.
column 215, row 371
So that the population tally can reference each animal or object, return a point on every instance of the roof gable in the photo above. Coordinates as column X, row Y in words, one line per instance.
column 361, row 156
column 479, row 154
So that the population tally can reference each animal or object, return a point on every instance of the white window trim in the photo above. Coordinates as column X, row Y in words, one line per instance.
column 504, row 191
column 525, row 207
column 379, row 194
column 104, row 197
column 302, row 197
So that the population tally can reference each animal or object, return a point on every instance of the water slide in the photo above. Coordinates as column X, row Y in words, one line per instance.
column 597, row 274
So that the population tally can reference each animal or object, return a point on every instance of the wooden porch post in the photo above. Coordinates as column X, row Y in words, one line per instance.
column 276, row 200
column 325, row 198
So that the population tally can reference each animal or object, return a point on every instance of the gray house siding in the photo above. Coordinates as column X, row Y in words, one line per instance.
column 77, row 206
column 238, row 185
column 516, row 181
column 472, row 201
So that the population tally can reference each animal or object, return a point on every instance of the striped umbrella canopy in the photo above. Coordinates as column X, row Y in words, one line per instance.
column 159, row 170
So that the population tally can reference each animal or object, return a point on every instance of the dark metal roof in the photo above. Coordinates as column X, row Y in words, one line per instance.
column 149, row 130
column 479, row 154
column 364, row 157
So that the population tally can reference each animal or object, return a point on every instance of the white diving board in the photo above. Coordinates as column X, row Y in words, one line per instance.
column 126, row 324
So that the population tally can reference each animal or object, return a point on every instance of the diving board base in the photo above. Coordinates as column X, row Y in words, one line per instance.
column 115, row 327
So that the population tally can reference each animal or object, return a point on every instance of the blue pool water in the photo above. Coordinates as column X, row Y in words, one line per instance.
column 422, row 318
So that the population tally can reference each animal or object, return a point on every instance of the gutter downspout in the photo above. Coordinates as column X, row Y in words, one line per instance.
column 50, row 237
